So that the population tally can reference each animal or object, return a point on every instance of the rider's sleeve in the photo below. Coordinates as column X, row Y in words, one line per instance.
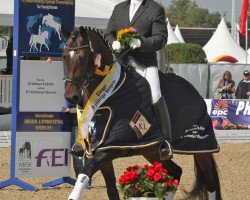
column 159, row 33
column 110, row 35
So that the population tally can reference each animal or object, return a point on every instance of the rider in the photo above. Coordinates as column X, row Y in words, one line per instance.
column 148, row 18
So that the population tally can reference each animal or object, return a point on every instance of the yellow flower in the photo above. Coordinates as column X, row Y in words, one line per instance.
column 123, row 32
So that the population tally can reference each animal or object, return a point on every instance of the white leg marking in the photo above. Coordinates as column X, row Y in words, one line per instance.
column 82, row 181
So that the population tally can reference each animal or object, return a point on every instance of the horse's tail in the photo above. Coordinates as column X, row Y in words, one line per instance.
column 200, row 189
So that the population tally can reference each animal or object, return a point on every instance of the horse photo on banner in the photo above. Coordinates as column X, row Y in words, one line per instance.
column 41, row 25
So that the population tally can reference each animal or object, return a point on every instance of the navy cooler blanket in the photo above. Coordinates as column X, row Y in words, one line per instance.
column 127, row 119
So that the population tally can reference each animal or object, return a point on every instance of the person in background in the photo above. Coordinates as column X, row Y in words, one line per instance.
column 77, row 163
column 148, row 18
column 9, row 55
column 243, row 88
column 226, row 86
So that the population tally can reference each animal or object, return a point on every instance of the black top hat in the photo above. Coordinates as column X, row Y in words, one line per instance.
column 246, row 73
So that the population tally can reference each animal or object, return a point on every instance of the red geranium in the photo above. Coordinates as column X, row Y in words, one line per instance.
column 147, row 181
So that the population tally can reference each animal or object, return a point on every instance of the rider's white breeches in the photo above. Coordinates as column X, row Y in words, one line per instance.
column 152, row 76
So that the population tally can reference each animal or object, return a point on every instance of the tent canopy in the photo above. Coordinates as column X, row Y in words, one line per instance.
column 222, row 44
column 172, row 38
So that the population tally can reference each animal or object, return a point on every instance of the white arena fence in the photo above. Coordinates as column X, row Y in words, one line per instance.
column 5, row 90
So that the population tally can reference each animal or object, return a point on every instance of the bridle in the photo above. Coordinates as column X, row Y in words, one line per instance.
column 82, row 82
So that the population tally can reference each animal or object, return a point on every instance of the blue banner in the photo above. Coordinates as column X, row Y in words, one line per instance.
column 40, row 26
column 44, row 122
column 230, row 113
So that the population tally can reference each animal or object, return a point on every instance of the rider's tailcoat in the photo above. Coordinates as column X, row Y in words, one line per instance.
column 149, row 21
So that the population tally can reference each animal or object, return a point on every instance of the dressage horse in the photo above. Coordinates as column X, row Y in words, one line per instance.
column 115, row 135
column 41, row 39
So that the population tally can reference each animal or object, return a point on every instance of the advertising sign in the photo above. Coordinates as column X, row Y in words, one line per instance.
column 230, row 113
column 42, row 154
column 41, row 86
column 40, row 26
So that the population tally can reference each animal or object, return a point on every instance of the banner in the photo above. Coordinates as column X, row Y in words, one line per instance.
column 243, row 17
column 40, row 26
column 230, row 113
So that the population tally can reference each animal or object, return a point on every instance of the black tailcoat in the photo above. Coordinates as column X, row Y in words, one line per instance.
column 149, row 21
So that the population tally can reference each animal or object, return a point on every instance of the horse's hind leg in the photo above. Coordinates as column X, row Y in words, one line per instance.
column 207, row 179
column 173, row 169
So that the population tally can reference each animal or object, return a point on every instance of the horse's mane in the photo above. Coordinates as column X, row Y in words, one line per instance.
column 100, row 45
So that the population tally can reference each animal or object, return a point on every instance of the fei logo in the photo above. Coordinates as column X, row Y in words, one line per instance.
column 52, row 157
column 220, row 108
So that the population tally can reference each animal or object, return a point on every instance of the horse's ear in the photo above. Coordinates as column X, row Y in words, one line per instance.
column 66, row 34
column 83, row 33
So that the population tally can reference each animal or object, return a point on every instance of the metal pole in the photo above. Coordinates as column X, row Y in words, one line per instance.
column 233, row 20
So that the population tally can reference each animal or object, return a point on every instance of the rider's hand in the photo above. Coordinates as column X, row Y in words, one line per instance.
column 116, row 46
column 135, row 43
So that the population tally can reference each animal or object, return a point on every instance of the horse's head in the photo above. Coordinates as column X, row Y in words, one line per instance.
column 85, row 51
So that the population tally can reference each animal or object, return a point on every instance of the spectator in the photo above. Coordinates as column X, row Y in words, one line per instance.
column 77, row 163
column 226, row 86
column 243, row 88
column 9, row 54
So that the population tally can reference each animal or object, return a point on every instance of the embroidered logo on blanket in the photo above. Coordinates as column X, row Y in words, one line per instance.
column 140, row 124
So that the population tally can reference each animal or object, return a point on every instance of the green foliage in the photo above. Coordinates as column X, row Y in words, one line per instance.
column 185, row 53
column 3, row 31
column 186, row 13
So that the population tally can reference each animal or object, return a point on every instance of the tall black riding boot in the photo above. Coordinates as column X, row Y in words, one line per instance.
column 161, row 110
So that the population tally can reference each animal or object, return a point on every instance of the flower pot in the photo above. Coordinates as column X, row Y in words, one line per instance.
column 169, row 196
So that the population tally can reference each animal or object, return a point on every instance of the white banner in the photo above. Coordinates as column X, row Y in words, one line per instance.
column 41, row 86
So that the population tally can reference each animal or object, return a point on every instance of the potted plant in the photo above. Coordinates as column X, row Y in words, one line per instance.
column 147, row 182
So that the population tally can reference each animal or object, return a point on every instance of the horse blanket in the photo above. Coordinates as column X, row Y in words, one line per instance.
column 127, row 118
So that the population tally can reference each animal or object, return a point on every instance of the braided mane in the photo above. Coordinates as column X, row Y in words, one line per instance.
column 100, row 45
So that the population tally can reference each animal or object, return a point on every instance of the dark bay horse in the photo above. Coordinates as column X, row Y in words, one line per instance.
column 125, row 123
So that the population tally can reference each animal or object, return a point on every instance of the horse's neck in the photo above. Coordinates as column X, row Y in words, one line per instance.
column 90, row 88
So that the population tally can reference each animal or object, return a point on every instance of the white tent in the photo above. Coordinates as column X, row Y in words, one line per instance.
column 172, row 38
column 222, row 44
column 178, row 34
column 92, row 13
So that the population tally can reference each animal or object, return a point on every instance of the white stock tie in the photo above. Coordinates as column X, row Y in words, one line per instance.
column 134, row 5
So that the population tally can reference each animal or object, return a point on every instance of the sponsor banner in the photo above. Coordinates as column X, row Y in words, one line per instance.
column 42, row 155
column 41, row 86
column 40, row 122
column 40, row 24
column 230, row 113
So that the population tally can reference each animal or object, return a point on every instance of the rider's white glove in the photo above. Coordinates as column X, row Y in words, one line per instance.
column 135, row 43
column 116, row 46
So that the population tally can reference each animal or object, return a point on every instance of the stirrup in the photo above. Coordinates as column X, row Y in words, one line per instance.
column 165, row 151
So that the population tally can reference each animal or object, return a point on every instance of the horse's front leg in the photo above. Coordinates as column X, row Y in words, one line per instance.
column 110, row 180
column 102, row 161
